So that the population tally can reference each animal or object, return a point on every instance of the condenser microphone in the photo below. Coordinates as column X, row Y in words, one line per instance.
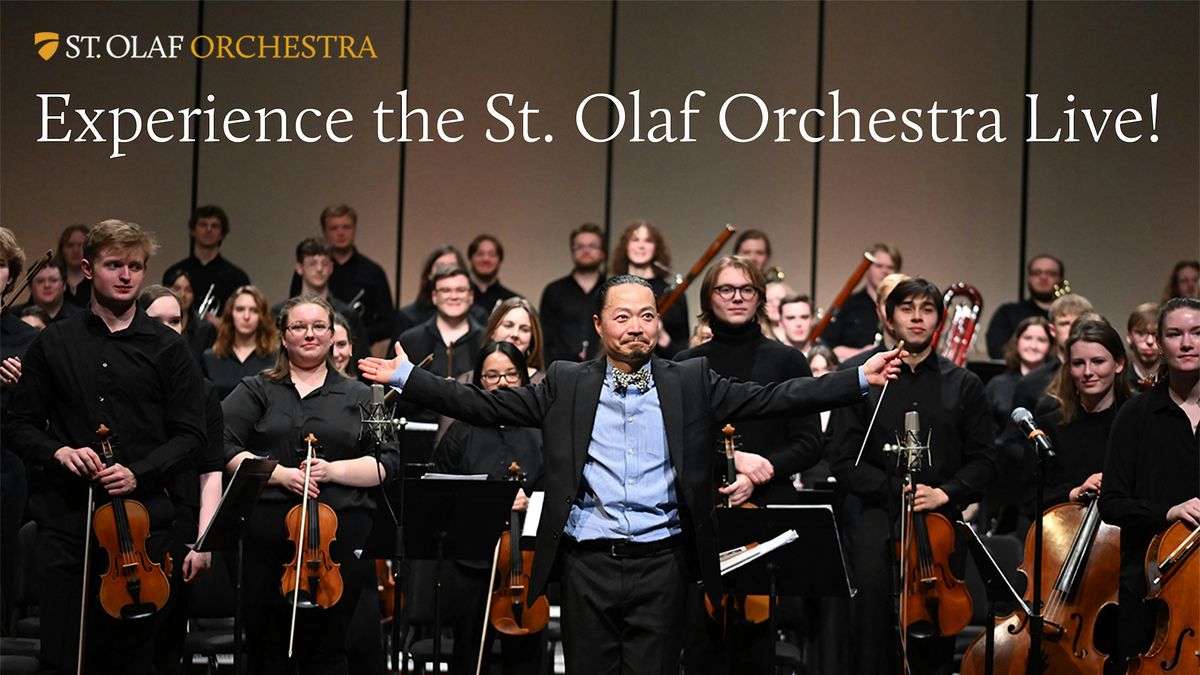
column 1024, row 421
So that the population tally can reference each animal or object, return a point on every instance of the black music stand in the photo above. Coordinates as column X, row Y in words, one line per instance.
column 815, row 564
column 228, row 522
column 998, row 590
column 460, row 520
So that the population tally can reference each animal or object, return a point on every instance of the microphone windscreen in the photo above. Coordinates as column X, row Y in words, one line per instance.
column 1021, row 415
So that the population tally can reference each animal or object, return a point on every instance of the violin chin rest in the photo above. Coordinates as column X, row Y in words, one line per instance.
column 138, row 610
column 921, row 630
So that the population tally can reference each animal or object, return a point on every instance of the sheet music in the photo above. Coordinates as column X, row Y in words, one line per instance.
column 533, row 515
column 743, row 555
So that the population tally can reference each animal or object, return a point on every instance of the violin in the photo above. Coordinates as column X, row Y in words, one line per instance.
column 740, row 608
column 511, row 612
column 134, row 586
column 386, row 586
column 1173, row 573
column 1081, row 563
column 312, row 579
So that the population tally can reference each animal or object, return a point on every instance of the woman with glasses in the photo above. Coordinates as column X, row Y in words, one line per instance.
column 271, row 414
column 470, row 449
column 247, row 340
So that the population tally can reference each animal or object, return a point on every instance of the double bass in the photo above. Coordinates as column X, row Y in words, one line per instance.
column 1173, row 573
column 1081, row 560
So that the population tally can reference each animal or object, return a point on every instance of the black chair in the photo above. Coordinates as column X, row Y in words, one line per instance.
column 210, row 609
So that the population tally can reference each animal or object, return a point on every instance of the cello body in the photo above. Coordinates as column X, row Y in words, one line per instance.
column 1081, row 564
column 1173, row 576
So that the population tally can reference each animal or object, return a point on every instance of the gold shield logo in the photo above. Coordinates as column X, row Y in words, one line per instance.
column 46, row 43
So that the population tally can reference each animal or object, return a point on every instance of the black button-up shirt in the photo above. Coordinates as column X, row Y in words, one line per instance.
column 270, row 419
column 448, row 361
column 855, row 325
column 223, row 276
column 141, row 382
column 951, row 405
column 566, row 313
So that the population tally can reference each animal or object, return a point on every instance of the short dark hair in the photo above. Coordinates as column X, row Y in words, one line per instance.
column 588, row 228
column 474, row 245
column 210, row 211
column 911, row 289
column 313, row 246
column 35, row 311
column 338, row 211
column 508, row 349
column 793, row 299
column 747, row 235
column 445, row 272
column 1062, row 269
column 619, row 280
column 425, row 291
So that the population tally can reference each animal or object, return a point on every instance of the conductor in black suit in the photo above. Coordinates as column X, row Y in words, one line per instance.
column 628, row 519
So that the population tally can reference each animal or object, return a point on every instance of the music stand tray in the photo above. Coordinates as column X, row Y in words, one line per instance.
column 815, row 564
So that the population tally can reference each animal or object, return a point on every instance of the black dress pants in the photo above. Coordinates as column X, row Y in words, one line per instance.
column 623, row 615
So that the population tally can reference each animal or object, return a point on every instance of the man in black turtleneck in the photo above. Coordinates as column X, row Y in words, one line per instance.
column 731, row 300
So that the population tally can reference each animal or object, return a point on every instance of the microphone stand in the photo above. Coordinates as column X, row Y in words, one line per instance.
column 1035, row 663
column 382, row 425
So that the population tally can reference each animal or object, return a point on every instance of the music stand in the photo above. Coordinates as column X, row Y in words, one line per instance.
column 998, row 589
column 228, row 522
column 461, row 520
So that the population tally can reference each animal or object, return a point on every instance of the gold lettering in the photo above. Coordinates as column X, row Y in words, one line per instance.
column 207, row 53
column 238, row 47
column 223, row 47
column 366, row 47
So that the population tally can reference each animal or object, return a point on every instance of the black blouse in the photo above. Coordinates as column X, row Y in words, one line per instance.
column 226, row 373
column 1079, row 452
column 270, row 419
column 468, row 449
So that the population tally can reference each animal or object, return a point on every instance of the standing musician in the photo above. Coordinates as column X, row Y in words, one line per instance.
column 270, row 414
column 1144, row 356
column 470, row 449
column 732, row 300
column 854, row 328
column 206, row 267
column 109, row 364
column 1043, row 276
column 953, row 410
column 1152, row 468
column 642, row 252
column 1078, row 413
column 569, row 303
column 628, row 518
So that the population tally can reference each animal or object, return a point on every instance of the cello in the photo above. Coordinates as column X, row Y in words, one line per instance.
column 1173, row 573
column 1081, row 562
column 312, row 527
column 134, row 586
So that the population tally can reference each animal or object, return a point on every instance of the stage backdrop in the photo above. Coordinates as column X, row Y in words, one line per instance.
column 1119, row 214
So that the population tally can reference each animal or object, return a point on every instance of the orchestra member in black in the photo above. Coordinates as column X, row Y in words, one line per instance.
column 270, row 414
column 1184, row 281
column 855, row 328
column 70, row 255
column 356, row 278
column 515, row 320
column 642, row 251
column 343, row 346
column 770, row 451
column 110, row 364
column 1152, row 467
column 795, row 322
column 314, row 264
column 954, row 416
column 200, row 335
column 48, row 293
column 628, row 515
column 471, row 450
column 247, row 340
column 1144, row 357
column 886, row 339
column 205, row 266
column 569, row 303
column 1034, row 384
column 486, row 254
column 1043, row 275
column 195, row 492
column 1028, row 348
column 452, row 336
column 1078, row 413
column 422, row 308
column 754, row 245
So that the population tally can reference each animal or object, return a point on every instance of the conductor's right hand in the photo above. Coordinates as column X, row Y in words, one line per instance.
column 380, row 370
column 883, row 367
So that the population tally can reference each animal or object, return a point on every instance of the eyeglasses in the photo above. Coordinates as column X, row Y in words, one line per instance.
column 492, row 377
column 585, row 247
column 317, row 327
column 726, row 292
column 462, row 290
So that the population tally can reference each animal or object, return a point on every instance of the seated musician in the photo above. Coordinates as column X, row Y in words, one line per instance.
column 855, row 328
column 642, row 252
column 270, row 414
column 732, row 300
column 108, row 364
column 1078, row 412
column 954, row 417
column 470, row 449
column 777, row 290
column 1043, row 275
column 795, row 322
column 1152, row 468
column 1144, row 357
column 886, row 339
column 1034, row 384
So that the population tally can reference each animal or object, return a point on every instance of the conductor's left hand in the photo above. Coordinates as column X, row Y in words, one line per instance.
column 380, row 370
column 883, row 367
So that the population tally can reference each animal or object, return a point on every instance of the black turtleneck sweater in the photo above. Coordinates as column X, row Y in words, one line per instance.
column 743, row 352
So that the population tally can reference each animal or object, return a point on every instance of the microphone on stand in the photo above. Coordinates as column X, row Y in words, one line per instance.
column 1024, row 421
column 379, row 420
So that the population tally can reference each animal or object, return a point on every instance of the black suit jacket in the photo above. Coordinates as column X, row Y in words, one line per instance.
column 692, row 398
